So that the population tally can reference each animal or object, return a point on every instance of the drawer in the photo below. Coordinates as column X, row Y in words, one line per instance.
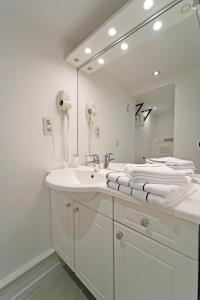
column 173, row 232
column 98, row 202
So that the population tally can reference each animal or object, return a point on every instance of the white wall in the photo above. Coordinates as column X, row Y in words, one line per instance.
column 164, row 125
column 115, row 123
column 156, row 127
column 144, row 137
column 32, row 72
column 187, row 109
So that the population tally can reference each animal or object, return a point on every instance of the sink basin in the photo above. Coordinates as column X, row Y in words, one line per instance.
column 82, row 179
column 89, row 177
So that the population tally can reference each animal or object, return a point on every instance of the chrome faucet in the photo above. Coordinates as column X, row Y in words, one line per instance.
column 107, row 160
column 94, row 161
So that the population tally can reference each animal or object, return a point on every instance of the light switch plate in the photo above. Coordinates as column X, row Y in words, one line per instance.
column 47, row 127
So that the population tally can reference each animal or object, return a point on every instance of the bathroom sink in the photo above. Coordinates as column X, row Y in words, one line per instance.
column 82, row 179
column 89, row 177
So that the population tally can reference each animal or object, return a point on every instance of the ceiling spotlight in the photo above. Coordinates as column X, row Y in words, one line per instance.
column 155, row 108
column 101, row 61
column 112, row 31
column 186, row 8
column 157, row 25
column 88, row 51
column 156, row 73
column 148, row 4
column 124, row 46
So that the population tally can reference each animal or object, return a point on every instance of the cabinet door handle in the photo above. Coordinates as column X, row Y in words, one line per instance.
column 119, row 235
column 144, row 223
column 76, row 209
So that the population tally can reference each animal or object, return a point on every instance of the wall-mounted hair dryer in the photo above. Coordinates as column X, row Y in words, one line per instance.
column 90, row 113
column 64, row 105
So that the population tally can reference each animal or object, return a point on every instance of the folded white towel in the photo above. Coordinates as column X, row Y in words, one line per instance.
column 162, row 190
column 118, row 177
column 160, row 175
column 149, row 198
column 172, row 161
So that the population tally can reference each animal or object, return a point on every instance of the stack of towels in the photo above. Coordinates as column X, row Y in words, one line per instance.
column 186, row 166
column 152, row 184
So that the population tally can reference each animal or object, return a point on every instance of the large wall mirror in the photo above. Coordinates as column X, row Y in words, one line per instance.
column 144, row 93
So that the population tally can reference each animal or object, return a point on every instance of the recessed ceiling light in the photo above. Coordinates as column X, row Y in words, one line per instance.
column 186, row 8
column 148, row 4
column 155, row 108
column 156, row 73
column 101, row 61
column 157, row 25
column 124, row 46
column 88, row 50
column 112, row 31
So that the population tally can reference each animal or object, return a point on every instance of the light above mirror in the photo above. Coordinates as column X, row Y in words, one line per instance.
column 124, row 46
column 88, row 50
column 112, row 31
column 156, row 73
column 101, row 61
column 148, row 4
column 157, row 25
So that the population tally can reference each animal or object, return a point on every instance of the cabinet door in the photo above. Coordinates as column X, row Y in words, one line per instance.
column 62, row 227
column 94, row 251
column 144, row 269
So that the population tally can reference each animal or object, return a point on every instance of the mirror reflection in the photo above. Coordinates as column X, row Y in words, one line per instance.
column 141, row 99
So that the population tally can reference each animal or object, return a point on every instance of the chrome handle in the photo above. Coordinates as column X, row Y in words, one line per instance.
column 144, row 222
column 68, row 205
column 76, row 209
column 119, row 235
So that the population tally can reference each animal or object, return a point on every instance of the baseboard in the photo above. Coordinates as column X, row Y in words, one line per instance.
column 31, row 276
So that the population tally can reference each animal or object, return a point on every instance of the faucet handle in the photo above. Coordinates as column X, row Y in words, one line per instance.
column 108, row 155
column 95, row 158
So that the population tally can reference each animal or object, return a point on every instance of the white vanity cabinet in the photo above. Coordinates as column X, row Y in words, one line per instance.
column 94, row 251
column 145, row 269
column 82, row 235
column 62, row 224
column 155, row 255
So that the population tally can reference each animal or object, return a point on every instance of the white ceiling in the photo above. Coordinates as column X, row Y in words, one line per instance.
column 173, row 51
column 68, row 21
column 125, row 19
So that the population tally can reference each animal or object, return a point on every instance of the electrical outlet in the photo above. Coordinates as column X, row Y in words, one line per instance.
column 97, row 132
column 47, row 127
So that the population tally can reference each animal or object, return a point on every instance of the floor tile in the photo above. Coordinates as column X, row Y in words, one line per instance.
column 63, row 286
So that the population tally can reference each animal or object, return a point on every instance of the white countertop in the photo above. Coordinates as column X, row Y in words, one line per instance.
column 64, row 180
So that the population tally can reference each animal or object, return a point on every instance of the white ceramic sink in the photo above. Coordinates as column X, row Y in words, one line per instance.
column 89, row 177
column 82, row 179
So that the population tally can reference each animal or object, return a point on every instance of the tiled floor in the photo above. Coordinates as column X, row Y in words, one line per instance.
column 63, row 286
